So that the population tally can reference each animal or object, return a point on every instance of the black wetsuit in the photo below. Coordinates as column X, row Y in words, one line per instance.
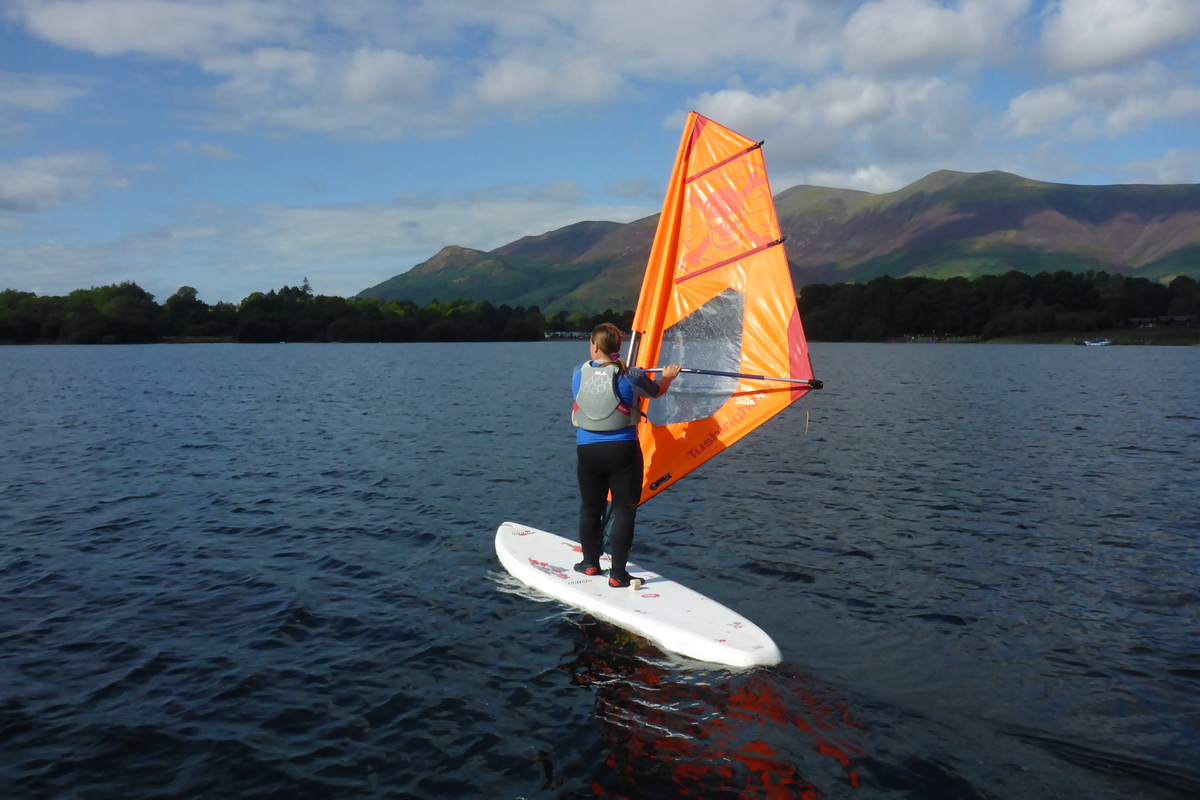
column 604, row 466
column 611, row 460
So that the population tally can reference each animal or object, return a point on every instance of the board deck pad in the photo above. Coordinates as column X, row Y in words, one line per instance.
column 678, row 618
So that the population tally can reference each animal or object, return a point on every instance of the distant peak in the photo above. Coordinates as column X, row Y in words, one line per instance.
column 449, row 256
column 947, row 178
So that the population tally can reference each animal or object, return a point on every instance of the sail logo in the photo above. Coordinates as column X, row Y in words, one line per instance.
column 724, row 427
column 729, row 213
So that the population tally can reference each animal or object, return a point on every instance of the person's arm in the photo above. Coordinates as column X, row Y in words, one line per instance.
column 669, row 374
column 645, row 386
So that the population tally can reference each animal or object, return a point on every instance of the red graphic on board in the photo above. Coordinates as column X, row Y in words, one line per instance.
column 549, row 569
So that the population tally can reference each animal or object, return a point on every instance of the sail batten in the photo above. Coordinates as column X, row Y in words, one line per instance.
column 729, row 260
column 717, row 299
column 718, row 165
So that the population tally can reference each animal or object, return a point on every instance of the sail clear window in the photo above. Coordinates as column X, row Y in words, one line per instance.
column 708, row 338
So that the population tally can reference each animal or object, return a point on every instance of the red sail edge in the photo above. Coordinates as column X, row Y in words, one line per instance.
column 717, row 295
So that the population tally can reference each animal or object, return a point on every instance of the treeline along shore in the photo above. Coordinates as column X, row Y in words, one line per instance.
column 991, row 307
column 127, row 314
column 984, row 308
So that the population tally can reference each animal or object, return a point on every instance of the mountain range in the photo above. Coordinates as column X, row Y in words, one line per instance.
column 947, row 224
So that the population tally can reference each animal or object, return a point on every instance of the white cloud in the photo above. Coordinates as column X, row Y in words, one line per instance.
column 43, row 182
column 1040, row 111
column 1092, row 35
column 516, row 82
column 922, row 35
column 381, row 77
column 166, row 28
column 363, row 93
column 1177, row 165
column 701, row 38
column 259, row 74
column 472, row 61
column 1108, row 104
column 644, row 38
column 38, row 92
column 426, row 68
column 872, row 178
column 801, row 123
column 847, row 123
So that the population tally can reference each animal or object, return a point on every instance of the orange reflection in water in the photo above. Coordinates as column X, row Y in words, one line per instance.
column 748, row 735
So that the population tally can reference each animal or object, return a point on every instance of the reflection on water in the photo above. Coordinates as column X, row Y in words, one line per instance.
column 775, row 733
column 665, row 734
column 267, row 571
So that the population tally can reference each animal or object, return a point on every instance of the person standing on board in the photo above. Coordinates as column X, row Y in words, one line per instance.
column 609, row 456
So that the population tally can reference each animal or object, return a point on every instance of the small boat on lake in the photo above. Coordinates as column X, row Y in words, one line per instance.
column 1101, row 342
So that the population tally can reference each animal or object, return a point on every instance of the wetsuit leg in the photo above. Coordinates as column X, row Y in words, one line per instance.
column 626, row 483
column 603, row 466
column 593, row 496
column 621, row 539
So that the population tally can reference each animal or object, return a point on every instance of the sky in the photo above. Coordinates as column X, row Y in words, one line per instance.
column 237, row 146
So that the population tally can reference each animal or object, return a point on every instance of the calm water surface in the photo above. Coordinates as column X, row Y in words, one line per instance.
column 267, row 571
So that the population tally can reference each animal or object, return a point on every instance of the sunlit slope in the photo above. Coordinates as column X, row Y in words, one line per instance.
column 953, row 223
column 946, row 224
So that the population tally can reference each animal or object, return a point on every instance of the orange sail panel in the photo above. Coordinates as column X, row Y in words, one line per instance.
column 717, row 296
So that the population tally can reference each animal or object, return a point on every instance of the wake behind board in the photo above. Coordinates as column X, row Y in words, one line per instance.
column 676, row 617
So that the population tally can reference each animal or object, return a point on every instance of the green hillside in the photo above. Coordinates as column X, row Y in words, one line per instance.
column 458, row 272
column 945, row 225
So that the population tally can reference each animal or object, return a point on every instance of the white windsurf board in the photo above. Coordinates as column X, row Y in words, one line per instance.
column 676, row 617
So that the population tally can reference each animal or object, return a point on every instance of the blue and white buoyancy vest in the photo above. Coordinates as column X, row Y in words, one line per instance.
column 598, row 404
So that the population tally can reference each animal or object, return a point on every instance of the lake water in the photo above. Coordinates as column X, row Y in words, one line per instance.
column 268, row 571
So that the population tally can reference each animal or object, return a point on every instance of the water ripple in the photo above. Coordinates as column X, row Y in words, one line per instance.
column 265, row 571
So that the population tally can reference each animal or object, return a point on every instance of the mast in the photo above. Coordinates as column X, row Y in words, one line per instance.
column 656, row 286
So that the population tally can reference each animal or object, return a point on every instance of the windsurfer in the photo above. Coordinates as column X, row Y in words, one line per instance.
column 609, row 456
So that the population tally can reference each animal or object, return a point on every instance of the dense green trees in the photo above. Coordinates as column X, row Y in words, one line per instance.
column 119, row 314
column 990, row 306
column 128, row 314
column 185, row 314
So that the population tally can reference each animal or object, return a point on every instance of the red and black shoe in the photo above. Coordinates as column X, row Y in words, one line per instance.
column 588, row 568
column 619, row 580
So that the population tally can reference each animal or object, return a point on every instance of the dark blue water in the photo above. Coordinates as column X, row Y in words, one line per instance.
column 267, row 571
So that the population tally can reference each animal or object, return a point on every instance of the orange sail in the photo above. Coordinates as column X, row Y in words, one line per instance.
column 717, row 298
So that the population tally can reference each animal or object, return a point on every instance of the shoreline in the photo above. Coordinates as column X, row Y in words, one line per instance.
column 1164, row 336
column 1145, row 337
